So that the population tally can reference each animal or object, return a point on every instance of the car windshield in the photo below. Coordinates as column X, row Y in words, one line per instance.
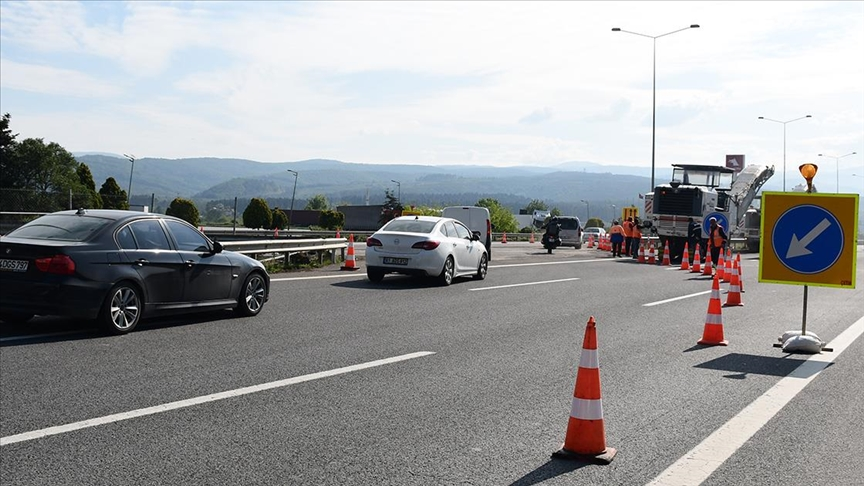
column 63, row 227
column 410, row 226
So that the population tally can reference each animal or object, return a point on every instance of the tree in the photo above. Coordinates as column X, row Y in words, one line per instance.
column 85, row 178
column 257, row 214
column 7, row 151
column 502, row 219
column 279, row 219
column 537, row 205
column 331, row 220
column 318, row 202
column 42, row 167
column 555, row 212
column 112, row 196
column 594, row 223
column 185, row 210
column 391, row 208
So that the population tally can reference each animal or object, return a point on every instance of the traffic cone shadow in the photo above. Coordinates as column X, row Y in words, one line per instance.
column 712, row 334
column 586, row 433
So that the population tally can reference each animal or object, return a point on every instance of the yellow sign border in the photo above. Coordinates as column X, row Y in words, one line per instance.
column 844, row 207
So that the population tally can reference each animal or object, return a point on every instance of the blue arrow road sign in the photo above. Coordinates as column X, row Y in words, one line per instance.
column 721, row 220
column 807, row 239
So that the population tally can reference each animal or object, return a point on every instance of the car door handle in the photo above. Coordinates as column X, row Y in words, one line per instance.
column 190, row 263
column 141, row 262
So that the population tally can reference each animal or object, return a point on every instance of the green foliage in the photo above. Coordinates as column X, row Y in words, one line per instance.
column 279, row 219
column 502, row 219
column 318, row 202
column 331, row 220
column 391, row 207
column 555, row 212
column 7, row 148
column 537, row 205
column 185, row 210
column 257, row 214
column 85, row 178
column 594, row 223
column 427, row 210
column 112, row 196
column 32, row 164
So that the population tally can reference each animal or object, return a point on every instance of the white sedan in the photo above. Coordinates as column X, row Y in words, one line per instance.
column 428, row 246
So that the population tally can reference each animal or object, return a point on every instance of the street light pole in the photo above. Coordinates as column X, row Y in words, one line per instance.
column 784, row 141
column 588, row 210
column 291, row 211
column 837, row 160
column 131, row 159
column 399, row 189
column 613, row 216
column 654, row 87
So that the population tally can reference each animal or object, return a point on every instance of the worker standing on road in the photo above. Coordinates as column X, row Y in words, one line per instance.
column 617, row 238
column 716, row 240
column 636, row 238
column 694, row 236
column 628, row 235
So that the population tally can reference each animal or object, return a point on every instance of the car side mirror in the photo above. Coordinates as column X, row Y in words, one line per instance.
column 217, row 247
column 475, row 236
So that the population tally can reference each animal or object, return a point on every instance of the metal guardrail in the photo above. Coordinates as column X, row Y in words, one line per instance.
column 285, row 248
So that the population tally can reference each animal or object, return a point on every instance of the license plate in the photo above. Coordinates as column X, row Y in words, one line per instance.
column 396, row 261
column 13, row 265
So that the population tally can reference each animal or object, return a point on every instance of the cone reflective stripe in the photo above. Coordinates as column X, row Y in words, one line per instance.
column 350, row 263
column 685, row 260
column 586, row 434
column 666, row 261
column 707, row 270
column 697, row 261
column 651, row 257
column 734, row 295
column 712, row 334
column 721, row 265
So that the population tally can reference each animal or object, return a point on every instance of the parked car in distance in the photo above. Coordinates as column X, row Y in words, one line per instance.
column 571, row 231
column 594, row 231
column 477, row 219
column 120, row 266
column 443, row 248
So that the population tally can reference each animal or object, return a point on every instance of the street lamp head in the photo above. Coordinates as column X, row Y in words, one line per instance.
column 616, row 29
column 761, row 117
column 694, row 26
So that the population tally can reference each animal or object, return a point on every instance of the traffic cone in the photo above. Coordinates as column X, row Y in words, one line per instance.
column 586, row 434
column 350, row 263
column 697, row 261
column 707, row 270
column 338, row 235
column 275, row 232
column 712, row 335
column 685, row 260
column 201, row 229
column 504, row 238
column 734, row 295
column 532, row 238
column 727, row 268
column 721, row 266
column 740, row 272
column 652, row 260
column 641, row 252
column 666, row 262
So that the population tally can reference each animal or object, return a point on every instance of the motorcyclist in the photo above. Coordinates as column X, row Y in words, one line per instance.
column 553, row 229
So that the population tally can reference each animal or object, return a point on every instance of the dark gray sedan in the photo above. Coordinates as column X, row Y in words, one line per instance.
column 119, row 266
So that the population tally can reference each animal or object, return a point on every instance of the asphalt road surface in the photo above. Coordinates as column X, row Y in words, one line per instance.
column 340, row 381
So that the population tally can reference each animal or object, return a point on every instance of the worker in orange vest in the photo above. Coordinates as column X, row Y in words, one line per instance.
column 636, row 238
column 716, row 239
column 628, row 235
column 617, row 238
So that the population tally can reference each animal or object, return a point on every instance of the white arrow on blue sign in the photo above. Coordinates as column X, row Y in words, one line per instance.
column 807, row 239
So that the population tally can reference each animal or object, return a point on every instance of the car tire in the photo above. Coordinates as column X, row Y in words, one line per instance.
column 252, row 296
column 122, row 310
column 446, row 276
column 15, row 318
column 482, row 269
column 374, row 276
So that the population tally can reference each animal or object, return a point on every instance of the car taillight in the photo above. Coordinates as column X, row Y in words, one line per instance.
column 373, row 242
column 426, row 245
column 59, row 264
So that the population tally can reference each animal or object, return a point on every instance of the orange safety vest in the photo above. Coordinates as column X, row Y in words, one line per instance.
column 628, row 229
column 716, row 239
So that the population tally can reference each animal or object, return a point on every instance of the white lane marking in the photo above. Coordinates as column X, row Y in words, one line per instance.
column 697, row 465
column 652, row 304
column 524, row 284
column 344, row 275
column 552, row 263
column 38, row 336
column 61, row 429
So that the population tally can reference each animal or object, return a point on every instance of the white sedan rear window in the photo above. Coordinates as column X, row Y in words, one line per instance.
column 410, row 226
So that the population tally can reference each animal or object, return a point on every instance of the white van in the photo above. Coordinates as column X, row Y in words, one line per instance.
column 476, row 218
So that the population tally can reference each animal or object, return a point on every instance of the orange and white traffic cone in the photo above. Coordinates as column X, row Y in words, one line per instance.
column 685, row 260
column 707, row 270
column 727, row 268
column 721, row 266
column 652, row 260
column 712, row 335
column 201, row 229
column 740, row 272
column 591, row 241
column 350, row 263
column 276, row 233
column 338, row 235
column 697, row 261
column 666, row 262
column 504, row 238
column 586, row 433
column 734, row 295
column 532, row 238
column 641, row 252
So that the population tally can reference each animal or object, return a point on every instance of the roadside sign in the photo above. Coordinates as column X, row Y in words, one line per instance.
column 722, row 221
column 809, row 239
column 735, row 162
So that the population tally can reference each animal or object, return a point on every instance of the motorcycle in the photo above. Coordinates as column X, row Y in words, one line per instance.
column 550, row 242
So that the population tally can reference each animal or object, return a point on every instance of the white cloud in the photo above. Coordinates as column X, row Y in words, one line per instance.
column 54, row 81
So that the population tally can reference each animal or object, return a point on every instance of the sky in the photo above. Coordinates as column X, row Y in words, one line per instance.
column 442, row 83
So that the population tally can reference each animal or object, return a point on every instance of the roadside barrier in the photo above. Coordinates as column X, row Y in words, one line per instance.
column 712, row 334
column 586, row 433
column 666, row 262
column 350, row 263
column 734, row 295
column 685, row 260
column 697, row 261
